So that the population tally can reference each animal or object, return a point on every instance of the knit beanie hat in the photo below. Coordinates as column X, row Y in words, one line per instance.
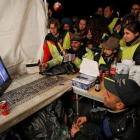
column 66, row 21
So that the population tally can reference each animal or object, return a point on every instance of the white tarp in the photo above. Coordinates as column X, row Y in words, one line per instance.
column 22, row 32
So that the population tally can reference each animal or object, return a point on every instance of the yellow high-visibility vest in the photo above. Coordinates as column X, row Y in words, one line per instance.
column 112, row 24
column 101, row 61
column 66, row 42
column 128, row 52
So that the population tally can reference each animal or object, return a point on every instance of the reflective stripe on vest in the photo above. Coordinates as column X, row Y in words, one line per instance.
column 104, row 34
column 128, row 52
column 54, row 62
column 101, row 61
column 53, row 50
column 66, row 42
column 112, row 24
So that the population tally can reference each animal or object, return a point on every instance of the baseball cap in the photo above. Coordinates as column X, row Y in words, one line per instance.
column 126, row 89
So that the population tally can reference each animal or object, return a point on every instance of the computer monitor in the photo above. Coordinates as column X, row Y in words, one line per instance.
column 5, row 79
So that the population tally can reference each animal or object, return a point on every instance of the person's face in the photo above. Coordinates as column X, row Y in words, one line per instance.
column 107, row 12
column 53, row 29
column 66, row 27
column 82, row 24
column 110, row 100
column 75, row 45
column 135, row 8
column 129, row 36
column 107, row 52
column 99, row 11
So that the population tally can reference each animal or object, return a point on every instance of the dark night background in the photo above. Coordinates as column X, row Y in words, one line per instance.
column 88, row 7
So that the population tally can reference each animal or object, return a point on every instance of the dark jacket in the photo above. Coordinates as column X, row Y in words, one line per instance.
column 108, row 62
column 136, row 56
column 122, row 125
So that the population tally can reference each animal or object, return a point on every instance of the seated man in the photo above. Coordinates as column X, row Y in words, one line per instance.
column 110, row 50
column 121, row 121
column 79, row 49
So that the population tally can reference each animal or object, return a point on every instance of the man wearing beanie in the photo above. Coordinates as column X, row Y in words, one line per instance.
column 66, row 29
column 66, row 24
column 110, row 50
column 122, row 120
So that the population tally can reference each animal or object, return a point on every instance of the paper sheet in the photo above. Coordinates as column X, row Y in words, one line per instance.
column 89, row 67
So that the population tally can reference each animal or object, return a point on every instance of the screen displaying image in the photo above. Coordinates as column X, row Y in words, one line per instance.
column 3, row 74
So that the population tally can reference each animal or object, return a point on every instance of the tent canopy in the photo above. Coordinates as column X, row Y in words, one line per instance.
column 22, row 32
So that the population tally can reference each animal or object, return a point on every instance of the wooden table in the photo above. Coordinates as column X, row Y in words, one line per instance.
column 26, row 109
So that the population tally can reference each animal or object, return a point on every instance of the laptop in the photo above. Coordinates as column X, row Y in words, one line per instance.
column 5, row 79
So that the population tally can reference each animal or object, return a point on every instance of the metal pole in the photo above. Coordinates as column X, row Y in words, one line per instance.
column 46, row 8
column 77, row 111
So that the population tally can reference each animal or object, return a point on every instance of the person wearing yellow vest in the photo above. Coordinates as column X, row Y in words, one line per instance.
column 67, row 27
column 110, row 50
column 132, row 39
column 79, row 49
column 111, row 18
column 52, row 48
column 66, row 24
column 119, row 29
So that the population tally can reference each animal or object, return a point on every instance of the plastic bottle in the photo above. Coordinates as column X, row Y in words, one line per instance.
column 97, row 84
column 113, row 68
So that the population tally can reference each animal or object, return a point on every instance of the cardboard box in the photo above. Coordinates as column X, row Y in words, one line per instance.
column 89, row 72
column 32, row 65
column 84, row 81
